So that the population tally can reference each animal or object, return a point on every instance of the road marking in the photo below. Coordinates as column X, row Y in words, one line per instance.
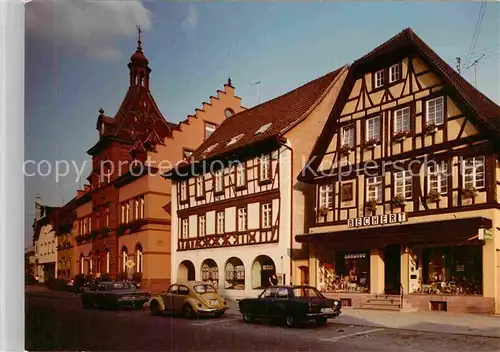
column 214, row 322
column 354, row 334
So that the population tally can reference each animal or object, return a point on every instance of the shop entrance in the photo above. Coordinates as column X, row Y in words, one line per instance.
column 392, row 263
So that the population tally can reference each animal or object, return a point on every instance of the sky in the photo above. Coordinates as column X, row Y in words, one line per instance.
column 77, row 54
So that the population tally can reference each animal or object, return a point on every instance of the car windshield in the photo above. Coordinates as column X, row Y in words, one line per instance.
column 307, row 292
column 204, row 289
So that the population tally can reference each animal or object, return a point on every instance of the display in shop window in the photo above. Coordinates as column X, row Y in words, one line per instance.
column 345, row 272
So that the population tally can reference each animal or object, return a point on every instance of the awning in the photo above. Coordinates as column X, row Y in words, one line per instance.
column 460, row 231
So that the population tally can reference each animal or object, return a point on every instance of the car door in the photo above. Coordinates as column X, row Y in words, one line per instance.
column 168, row 297
column 276, row 308
column 179, row 298
column 99, row 295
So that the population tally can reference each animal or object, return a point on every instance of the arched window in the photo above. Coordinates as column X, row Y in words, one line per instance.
column 139, row 259
column 98, row 261
column 124, row 258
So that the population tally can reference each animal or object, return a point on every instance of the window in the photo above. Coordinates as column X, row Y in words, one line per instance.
column 209, row 129
column 264, row 171
column 240, row 175
column 127, row 212
column 220, row 222
column 379, row 79
column 136, row 209
column 263, row 128
column 85, row 229
column 184, row 186
column 229, row 112
column 403, row 183
column 473, row 172
column 185, row 228
column 374, row 188
column 124, row 259
column 139, row 260
column 106, row 217
column 435, row 111
column 394, row 73
column 373, row 128
column 438, row 177
column 202, row 225
column 141, row 207
column 326, row 196
column 122, row 218
column 266, row 215
column 199, row 186
column 107, row 261
column 348, row 136
column 219, row 181
column 402, row 120
column 242, row 219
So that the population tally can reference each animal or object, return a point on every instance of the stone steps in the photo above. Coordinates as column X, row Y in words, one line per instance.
column 388, row 302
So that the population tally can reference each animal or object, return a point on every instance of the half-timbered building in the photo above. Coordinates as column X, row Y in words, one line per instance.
column 233, row 199
column 406, row 176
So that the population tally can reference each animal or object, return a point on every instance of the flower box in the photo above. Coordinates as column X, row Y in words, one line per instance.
column 398, row 200
column 323, row 211
column 433, row 196
column 371, row 204
column 400, row 135
column 371, row 143
column 430, row 128
column 345, row 149
column 469, row 192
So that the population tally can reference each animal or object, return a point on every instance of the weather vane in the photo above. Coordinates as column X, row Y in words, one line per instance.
column 139, row 30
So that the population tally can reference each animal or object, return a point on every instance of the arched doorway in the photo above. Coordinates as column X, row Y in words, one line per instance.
column 186, row 271
column 262, row 269
column 304, row 275
column 210, row 272
column 235, row 274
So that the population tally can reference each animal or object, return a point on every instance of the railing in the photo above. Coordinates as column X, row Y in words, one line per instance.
column 401, row 295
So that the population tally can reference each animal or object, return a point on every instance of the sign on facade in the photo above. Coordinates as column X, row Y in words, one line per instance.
column 377, row 220
column 485, row 234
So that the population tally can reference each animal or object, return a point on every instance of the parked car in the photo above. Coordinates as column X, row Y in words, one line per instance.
column 191, row 299
column 114, row 295
column 292, row 304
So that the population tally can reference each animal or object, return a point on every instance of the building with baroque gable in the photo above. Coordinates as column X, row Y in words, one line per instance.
column 123, row 220
column 235, row 204
column 405, row 209
column 44, row 241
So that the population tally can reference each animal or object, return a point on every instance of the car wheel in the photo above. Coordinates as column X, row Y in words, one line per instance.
column 321, row 321
column 290, row 320
column 187, row 311
column 247, row 317
column 155, row 308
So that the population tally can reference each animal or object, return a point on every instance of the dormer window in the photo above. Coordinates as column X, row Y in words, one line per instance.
column 263, row 128
column 394, row 73
column 379, row 79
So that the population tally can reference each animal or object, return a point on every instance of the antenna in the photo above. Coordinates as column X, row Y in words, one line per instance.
column 475, row 63
column 458, row 64
column 258, row 89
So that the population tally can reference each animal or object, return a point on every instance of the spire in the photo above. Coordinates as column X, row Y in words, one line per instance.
column 138, row 65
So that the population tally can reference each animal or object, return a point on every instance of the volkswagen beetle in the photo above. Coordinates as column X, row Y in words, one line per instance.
column 190, row 299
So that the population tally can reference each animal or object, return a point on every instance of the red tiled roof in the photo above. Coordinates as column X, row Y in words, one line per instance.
column 487, row 110
column 280, row 112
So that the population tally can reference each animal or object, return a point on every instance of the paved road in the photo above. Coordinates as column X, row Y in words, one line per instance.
column 58, row 322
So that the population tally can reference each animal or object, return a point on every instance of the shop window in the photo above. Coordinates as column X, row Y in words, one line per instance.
column 451, row 271
column 235, row 274
column 344, row 272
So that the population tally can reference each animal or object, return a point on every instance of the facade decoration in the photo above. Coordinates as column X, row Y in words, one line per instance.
column 233, row 200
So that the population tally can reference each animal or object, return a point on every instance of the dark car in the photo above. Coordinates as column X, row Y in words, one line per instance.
column 114, row 295
column 292, row 304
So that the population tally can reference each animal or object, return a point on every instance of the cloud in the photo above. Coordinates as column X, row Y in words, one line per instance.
column 191, row 21
column 92, row 27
